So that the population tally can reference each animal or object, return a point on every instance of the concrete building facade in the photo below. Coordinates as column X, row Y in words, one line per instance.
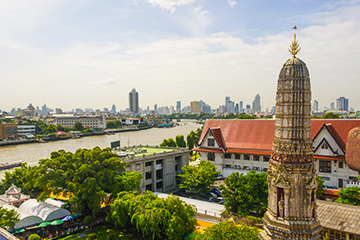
column 8, row 131
column 91, row 121
column 159, row 170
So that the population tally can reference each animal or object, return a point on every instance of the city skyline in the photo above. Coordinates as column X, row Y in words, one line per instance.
column 90, row 54
column 146, row 108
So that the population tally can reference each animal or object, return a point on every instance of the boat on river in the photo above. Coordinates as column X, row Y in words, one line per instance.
column 9, row 165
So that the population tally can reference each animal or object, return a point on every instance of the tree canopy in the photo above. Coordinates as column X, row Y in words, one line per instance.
column 320, row 187
column 349, row 195
column 8, row 218
column 24, row 177
column 153, row 217
column 180, row 141
column 168, row 143
column 245, row 193
column 87, row 174
column 78, row 126
column 331, row 115
column 227, row 230
column 200, row 178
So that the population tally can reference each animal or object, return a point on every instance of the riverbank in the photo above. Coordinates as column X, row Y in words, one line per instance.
column 47, row 139
column 31, row 153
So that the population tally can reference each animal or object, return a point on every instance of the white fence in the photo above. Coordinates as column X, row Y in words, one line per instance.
column 352, row 184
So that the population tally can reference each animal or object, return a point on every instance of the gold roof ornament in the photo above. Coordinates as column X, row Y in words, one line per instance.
column 295, row 46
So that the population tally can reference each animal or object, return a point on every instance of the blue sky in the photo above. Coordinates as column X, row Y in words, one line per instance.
column 90, row 53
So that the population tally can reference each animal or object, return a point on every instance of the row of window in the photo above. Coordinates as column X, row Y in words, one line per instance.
column 325, row 165
column 245, row 168
column 266, row 158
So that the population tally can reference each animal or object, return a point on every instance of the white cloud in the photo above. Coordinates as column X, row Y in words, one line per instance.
column 226, row 65
column 232, row 3
column 170, row 5
column 204, row 66
column 109, row 81
column 197, row 21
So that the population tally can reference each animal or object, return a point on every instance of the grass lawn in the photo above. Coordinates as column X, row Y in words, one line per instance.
column 103, row 232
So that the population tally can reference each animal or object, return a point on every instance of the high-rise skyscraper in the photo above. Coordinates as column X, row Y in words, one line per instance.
column 291, row 211
column 195, row 107
column 155, row 108
column 241, row 107
column 342, row 104
column 178, row 106
column 315, row 106
column 229, row 105
column 256, row 105
column 332, row 106
column 113, row 108
column 133, row 101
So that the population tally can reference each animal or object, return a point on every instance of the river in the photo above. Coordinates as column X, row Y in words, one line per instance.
column 32, row 152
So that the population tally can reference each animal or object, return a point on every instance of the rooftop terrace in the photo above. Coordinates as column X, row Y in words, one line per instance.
column 138, row 152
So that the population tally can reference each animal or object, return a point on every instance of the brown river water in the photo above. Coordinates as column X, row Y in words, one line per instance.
column 33, row 152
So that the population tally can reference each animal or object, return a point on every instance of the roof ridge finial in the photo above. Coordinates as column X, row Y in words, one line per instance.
column 295, row 46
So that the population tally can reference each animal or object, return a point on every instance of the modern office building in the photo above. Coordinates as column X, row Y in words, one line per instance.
column 178, row 106
column 256, row 105
column 241, row 107
column 342, row 104
column 195, row 107
column 8, row 131
column 134, row 101
column 26, row 131
column 113, row 108
column 315, row 107
column 332, row 106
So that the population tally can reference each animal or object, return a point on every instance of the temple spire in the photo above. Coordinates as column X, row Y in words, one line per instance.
column 295, row 46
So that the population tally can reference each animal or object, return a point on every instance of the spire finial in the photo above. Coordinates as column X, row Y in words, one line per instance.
column 295, row 46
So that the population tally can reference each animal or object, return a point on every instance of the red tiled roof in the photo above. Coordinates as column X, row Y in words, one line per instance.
column 259, row 134
column 218, row 136
column 248, row 134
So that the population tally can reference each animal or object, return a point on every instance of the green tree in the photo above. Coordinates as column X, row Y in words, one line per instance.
column 117, row 124
column 87, row 174
column 320, row 187
column 34, row 237
column 110, row 124
column 245, row 116
column 78, row 126
column 8, row 218
column 180, row 141
column 246, row 193
column 128, row 181
column 200, row 178
column 331, row 115
column 228, row 230
column 153, row 217
column 51, row 129
column 168, row 143
column 24, row 177
column 349, row 195
column 190, row 140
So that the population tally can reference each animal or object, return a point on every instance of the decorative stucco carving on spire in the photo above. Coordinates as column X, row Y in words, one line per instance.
column 295, row 46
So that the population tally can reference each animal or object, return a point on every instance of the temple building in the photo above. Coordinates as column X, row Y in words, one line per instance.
column 291, row 149
column 246, row 144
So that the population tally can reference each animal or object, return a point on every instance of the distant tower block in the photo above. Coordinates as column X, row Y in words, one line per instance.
column 291, row 212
